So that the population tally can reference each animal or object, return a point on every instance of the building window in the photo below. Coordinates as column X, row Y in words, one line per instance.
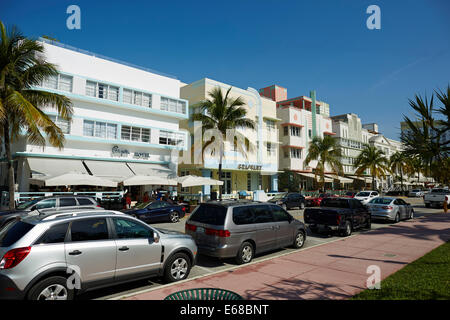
column 226, row 187
column 286, row 130
column 270, row 149
column 102, row 91
column 137, row 134
column 63, row 124
column 173, row 105
column 100, row 129
column 58, row 82
column 171, row 138
column 249, row 181
column 309, row 133
column 296, row 153
column 270, row 125
column 137, row 98
column 286, row 153
column 295, row 131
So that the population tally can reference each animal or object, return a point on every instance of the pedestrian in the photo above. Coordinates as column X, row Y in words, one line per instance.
column 127, row 201
column 445, row 205
column 146, row 198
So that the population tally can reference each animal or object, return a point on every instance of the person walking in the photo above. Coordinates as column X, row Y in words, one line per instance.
column 146, row 197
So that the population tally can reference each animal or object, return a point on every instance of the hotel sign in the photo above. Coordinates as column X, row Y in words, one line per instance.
column 249, row 167
column 124, row 153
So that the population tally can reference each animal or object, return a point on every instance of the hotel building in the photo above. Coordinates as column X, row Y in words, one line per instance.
column 256, row 169
column 125, row 121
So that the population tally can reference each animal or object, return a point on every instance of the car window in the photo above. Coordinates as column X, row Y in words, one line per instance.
column 279, row 214
column 155, row 205
column 85, row 202
column 381, row 201
column 243, row 215
column 363, row 194
column 374, row 194
column 356, row 204
column 47, row 203
column 55, row 234
column 14, row 231
column 67, row 202
column 209, row 214
column 127, row 229
column 263, row 214
column 89, row 229
column 401, row 202
column 334, row 203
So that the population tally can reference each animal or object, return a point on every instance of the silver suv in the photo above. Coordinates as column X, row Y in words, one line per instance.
column 58, row 255
column 242, row 229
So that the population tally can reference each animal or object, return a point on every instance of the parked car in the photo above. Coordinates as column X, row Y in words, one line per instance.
column 104, row 248
column 289, row 200
column 227, row 229
column 342, row 215
column 350, row 194
column 386, row 208
column 436, row 197
column 315, row 201
column 366, row 196
column 157, row 211
column 48, row 205
column 415, row 193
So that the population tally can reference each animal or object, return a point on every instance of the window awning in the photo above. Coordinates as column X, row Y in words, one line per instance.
column 365, row 179
column 340, row 178
column 311, row 175
column 49, row 167
column 112, row 170
column 150, row 169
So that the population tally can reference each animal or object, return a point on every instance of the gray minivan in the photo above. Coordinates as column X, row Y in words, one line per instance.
column 242, row 229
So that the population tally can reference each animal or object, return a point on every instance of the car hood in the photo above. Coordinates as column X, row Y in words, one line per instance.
column 165, row 233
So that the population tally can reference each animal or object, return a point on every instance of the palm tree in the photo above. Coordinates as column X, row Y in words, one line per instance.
column 22, row 66
column 326, row 151
column 373, row 159
column 398, row 163
column 415, row 165
column 222, row 113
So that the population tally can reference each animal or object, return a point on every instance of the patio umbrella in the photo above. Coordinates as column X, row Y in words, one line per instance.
column 76, row 179
column 141, row 180
column 193, row 181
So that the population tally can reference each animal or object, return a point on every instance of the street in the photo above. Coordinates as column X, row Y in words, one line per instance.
column 206, row 265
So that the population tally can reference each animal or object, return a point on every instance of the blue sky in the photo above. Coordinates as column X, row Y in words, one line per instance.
column 300, row 45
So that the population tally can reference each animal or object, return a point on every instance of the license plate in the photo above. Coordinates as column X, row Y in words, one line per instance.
column 200, row 230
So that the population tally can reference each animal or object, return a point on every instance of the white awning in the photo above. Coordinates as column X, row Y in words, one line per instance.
column 149, row 180
column 365, row 179
column 77, row 179
column 150, row 169
column 192, row 181
column 341, row 179
column 111, row 170
column 49, row 167
column 312, row 176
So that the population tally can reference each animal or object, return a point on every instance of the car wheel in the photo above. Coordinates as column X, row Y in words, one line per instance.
column 397, row 218
column 299, row 240
column 347, row 230
column 369, row 223
column 411, row 215
column 178, row 268
column 53, row 288
column 245, row 253
column 174, row 216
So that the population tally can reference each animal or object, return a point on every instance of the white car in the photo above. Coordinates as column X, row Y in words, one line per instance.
column 366, row 196
column 416, row 193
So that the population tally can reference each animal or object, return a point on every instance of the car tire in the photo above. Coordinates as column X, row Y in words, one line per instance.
column 397, row 218
column 177, row 268
column 369, row 223
column 411, row 215
column 174, row 217
column 299, row 240
column 52, row 288
column 347, row 230
column 245, row 253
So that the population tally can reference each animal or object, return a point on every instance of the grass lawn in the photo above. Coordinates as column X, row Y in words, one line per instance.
column 427, row 278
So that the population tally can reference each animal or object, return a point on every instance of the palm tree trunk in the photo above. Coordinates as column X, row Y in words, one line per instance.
column 220, row 174
column 11, row 182
column 401, row 179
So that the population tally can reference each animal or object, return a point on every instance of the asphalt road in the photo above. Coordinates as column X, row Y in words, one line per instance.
column 206, row 265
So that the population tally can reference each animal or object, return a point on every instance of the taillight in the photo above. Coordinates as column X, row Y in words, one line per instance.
column 219, row 233
column 13, row 257
column 183, row 209
column 387, row 207
column 338, row 219
column 190, row 227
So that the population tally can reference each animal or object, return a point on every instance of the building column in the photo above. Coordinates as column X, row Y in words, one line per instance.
column 206, row 190
column 274, row 182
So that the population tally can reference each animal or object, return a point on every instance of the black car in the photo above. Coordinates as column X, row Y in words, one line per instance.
column 338, row 214
column 47, row 205
column 157, row 211
column 289, row 200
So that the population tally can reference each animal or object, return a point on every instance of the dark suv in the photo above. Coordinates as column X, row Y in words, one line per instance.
column 227, row 229
column 49, row 205
column 289, row 200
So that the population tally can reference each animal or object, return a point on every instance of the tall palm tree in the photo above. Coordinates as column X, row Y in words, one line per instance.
column 222, row 113
column 22, row 66
column 373, row 159
column 415, row 165
column 326, row 151
column 397, row 164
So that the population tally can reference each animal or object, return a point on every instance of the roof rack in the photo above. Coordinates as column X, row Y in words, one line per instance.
column 52, row 216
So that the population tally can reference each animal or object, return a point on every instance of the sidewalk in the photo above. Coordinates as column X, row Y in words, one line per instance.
column 335, row 270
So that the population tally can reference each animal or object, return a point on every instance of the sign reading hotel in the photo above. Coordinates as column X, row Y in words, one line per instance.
column 124, row 153
column 249, row 167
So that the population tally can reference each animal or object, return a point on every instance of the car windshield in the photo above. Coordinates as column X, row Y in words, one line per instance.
column 381, row 201
column 142, row 205
column 363, row 194
column 27, row 204
column 279, row 196
column 13, row 231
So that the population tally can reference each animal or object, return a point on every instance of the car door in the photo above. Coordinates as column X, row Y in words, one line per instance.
column 285, row 235
column 155, row 211
column 402, row 210
column 91, row 249
column 265, row 228
column 66, row 203
column 138, row 254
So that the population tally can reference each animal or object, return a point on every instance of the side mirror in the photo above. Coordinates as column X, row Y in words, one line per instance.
column 155, row 237
column 33, row 208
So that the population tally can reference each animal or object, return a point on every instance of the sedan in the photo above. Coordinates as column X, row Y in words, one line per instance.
column 157, row 211
column 392, row 209
column 366, row 196
column 416, row 193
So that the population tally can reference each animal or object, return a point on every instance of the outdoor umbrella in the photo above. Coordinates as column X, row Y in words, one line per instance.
column 76, row 179
column 193, row 181
column 141, row 180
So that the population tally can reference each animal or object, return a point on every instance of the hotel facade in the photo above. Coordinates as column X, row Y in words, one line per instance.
column 125, row 121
